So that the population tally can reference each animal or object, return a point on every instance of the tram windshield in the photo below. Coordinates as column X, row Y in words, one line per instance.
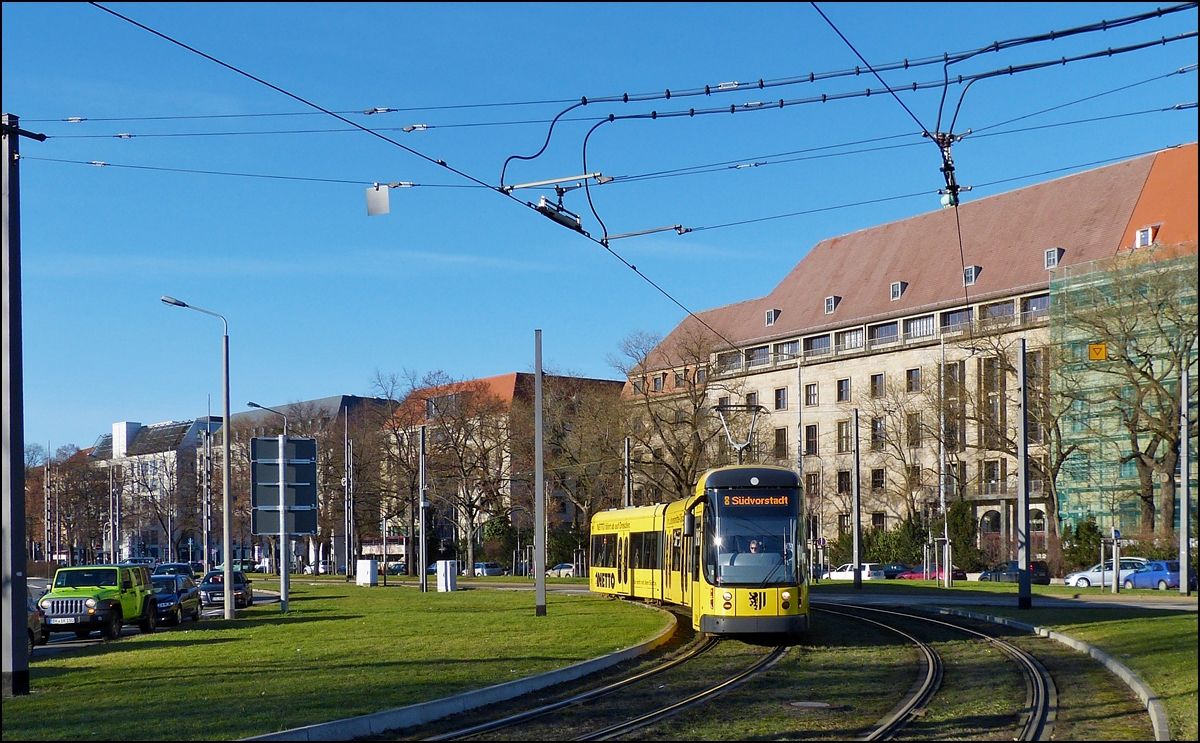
column 750, row 538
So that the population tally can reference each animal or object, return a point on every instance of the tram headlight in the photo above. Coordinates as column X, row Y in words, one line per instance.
column 786, row 595
column 727, row 596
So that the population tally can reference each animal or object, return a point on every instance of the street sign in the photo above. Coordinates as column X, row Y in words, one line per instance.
column 820, row 541
column 300, row 481
column 1097, row 352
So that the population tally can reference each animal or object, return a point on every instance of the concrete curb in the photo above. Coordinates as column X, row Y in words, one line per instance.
column 1158, row 714
column 419, row 714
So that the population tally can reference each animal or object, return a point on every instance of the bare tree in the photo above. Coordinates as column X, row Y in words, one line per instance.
column 399, row 420
column 669, row 399
column 1142, row 308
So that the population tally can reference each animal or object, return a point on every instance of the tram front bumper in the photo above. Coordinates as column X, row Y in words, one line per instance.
column 790, row 624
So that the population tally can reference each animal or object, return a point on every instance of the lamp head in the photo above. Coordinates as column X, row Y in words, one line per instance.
column 173, row 301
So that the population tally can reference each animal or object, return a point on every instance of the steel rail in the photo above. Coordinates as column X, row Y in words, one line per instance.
column 701, row 647
column 1041, row 695
column 927, row 684
column 650, row 718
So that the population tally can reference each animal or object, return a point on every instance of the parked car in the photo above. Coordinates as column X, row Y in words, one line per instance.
column 397, row 568
column 175, row 568
column 322, row 567
column 176, row 596
column 212, row 589
column 1160, row 574
column 149, row 562
column 490, row 569
column 870, row 571
column 99, row 597
column 1009, row 572
column 36, row 621
column 918, row 573
column 561, row 570
column 892, row 569
column 197, row 569
column 1102, row 575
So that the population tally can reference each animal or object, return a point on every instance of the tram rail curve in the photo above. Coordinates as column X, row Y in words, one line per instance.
column 911, row 705
column 1041, row 695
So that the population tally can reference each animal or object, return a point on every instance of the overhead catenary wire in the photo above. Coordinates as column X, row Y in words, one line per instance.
column 943, row 58
column 412, row 151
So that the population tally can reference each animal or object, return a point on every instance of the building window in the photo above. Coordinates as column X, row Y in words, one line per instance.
column 993, row 477
column 1053, row 256
column 876, row 385
column 816, row 346
column 844, row 525
column 879, row 335
column 681, row 379
column 722, row 402
column 970, row 274
column 751, row 398
column 781, row 443
column 878, row 480
column 849, row 340
column 812, row 483
column 914, row 430
column 810, row 394
column 810, row 440
column 781, row 398
column 787, row 351
column 843, row 437
column 772, row 316
column 727, row 362
column 701, row 375
column 878, row 521
column 912, row 380
column 843, row 390
column 898, row 288
column 1145, row 237
column 1033, row 308
column 638, row 387
column 878, row 436
column 919, row 327
column 914, row 476
column 844, row 482
column 831, row 304
column 758, row 356
column 659, row 381
column 957, row 320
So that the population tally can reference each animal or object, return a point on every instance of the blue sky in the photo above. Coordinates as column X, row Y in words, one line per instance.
column 320, row 297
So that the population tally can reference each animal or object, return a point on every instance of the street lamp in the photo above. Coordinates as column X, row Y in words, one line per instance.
column 284, row 558
column 227, row 499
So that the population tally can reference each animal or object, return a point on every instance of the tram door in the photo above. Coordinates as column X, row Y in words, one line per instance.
column 685, row 575
column 623, row 564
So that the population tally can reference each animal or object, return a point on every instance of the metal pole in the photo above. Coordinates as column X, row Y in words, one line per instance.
column 628, row 476
column 423, row 555
column 539, row 529
column 346, row 495
column 1116, row 579
column 947, row 578
column 16, row 652
column 857, row 509
column 1185, row 500
column 284, row 566
column 226, row 475
column 1024, row 579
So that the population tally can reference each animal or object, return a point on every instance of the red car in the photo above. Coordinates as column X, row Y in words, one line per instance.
column 919, row 574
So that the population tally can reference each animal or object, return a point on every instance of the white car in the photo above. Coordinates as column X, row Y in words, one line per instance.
column 561, row 570
column 870, row 571
column 1095, row 576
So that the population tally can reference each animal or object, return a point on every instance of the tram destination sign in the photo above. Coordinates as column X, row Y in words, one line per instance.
column 300, row 480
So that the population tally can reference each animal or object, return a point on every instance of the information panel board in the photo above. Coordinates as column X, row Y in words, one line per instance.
column 300, row 481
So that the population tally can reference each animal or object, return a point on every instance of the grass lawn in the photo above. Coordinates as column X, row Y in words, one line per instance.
column 932, row 588
column 1159, row 646
column 340, row 651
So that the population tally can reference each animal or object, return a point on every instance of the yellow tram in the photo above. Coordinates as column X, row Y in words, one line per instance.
column 733, row 551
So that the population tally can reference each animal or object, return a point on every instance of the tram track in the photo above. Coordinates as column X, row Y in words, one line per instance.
column 1041, row 695
column 625, row 727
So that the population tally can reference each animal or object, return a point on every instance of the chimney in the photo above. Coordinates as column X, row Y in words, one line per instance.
column 123, row 433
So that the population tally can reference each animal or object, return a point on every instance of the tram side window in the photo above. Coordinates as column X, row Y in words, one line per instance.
column 644, row 550
column 604, row 551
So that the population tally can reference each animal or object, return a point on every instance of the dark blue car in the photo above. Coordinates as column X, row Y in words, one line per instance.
column 1160, row 574
column 176, row 597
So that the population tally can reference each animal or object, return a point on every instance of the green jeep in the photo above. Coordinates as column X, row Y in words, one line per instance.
column 99, row 597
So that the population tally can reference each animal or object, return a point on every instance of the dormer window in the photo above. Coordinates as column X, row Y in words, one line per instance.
column 970, row 274
column 772, row 316
column 831, row 304
column 1053, row 256
column 898, row 288
column 1145, row 237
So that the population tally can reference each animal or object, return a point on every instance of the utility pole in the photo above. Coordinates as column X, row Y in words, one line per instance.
column 856, row 484
column 423, row 555
column 628, row 470
column 1185, row 500
column 12, row 532
column 539, row 484
column 1024, row 579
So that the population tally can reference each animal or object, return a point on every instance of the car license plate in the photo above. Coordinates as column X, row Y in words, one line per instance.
column 62, row 620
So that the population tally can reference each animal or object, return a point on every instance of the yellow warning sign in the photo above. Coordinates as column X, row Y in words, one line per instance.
column 1097, row 352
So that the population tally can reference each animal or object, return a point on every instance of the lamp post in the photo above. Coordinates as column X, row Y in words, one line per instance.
column 284, row 557
column 227, row 499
